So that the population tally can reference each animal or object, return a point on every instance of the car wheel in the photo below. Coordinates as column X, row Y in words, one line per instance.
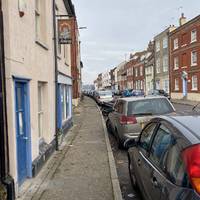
column 108, row 125
column 131, row 174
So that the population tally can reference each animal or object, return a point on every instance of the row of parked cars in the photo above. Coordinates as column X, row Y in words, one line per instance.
column 163, row 147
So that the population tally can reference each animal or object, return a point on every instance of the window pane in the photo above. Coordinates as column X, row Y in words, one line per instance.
column 19, row 99
column 39, row 98
column 161, row 143
column 146, row 136
column 153, row 106
column 21, row 124
column 174, row 166
column 40, row 124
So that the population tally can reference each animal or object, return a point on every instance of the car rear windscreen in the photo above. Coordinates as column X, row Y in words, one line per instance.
column 105, row 93
column 151, row 106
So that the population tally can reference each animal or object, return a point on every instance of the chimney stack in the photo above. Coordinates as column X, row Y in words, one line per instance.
column 172, row 28
column 182, row 19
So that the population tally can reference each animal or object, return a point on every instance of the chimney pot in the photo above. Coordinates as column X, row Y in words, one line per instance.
column 182, row 19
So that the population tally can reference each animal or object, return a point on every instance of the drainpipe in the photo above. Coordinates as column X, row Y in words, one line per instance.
column 56, row 74
column 6, row 182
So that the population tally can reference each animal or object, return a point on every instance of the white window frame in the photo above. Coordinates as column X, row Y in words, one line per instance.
column 141, row 85
column 158, row 66
column 175, row 43
column 40, row 22
column 158, row 84
column 41, row 110
column 176, row 63
column 194, row 83
column 193, row 35
column 165, row 42
column 165, row 63
column 193, row 63
column 141, row 71
column 176, row 84
column 166, row 85
column 158, row 46
column 136, row 72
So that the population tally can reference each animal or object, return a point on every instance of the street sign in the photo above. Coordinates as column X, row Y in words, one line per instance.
column 64, row 33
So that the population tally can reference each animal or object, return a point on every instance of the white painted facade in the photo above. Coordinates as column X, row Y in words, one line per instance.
column 106, row 80
column 149, row 78
column 31, row 56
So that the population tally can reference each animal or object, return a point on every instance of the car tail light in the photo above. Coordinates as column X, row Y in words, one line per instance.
column 127, row 120
column 191, row 157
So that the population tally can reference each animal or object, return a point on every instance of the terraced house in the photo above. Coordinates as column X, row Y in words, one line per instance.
column 38, row 81
column 185, row 60
column 161, row 54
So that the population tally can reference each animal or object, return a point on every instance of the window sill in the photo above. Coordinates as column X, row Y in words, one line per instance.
column 41, row 44
column 194, row 65
column 194, row 89
column 193, row 41
column 183, row 45
column 175, row 69
column 184, row 67
column 175, row 48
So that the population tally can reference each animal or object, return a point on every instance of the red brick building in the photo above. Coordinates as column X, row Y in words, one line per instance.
column 138, row 70
column 129, row 71
column 185, row 60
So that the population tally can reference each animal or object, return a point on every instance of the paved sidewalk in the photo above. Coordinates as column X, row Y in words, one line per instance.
column 185, row 102
column 81, row 170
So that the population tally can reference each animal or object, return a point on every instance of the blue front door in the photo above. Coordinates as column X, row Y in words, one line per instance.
column 22, row 131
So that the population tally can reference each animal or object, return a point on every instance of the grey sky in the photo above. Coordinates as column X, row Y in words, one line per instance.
column 118, row 27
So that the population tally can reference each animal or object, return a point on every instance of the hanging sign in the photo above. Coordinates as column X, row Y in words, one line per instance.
column 64, row 33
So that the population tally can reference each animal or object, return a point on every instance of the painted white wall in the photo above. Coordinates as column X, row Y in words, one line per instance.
column 25, row 58
column 106, row 79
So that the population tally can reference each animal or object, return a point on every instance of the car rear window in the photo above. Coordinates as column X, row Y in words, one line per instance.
column 105, row 93
column 152, row 106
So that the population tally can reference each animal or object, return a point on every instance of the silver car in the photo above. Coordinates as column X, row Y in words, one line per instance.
column 130, row 115
column 104, row 96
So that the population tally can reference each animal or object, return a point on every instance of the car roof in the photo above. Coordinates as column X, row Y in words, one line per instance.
column 189, row 125
column 129, row 99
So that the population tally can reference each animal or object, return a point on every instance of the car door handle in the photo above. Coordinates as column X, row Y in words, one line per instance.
column 154, row 182
column 139, row 162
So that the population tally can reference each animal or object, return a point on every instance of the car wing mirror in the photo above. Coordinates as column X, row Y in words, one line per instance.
column 130, row 142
